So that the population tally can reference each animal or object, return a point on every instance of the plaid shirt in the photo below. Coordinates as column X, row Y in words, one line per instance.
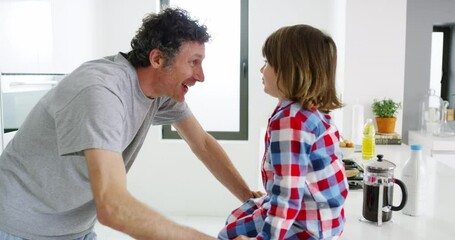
column 304, row 179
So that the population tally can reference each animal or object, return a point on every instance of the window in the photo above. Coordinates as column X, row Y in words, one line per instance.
column 221, row 102
column 442, row 63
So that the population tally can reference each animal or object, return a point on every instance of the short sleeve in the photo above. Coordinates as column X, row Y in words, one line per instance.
column 94, row 118
column 171, row 111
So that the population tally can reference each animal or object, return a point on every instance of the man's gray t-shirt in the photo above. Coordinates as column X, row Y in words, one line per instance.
column 45, row 191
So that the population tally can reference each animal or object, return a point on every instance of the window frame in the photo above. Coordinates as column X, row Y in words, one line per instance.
column 446, row 30
column 242, row 133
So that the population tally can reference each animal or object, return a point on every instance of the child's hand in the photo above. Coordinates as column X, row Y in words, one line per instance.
column 243, row 238
column 257, row 194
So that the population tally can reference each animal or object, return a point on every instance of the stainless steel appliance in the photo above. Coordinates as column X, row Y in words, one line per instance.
column 19, row 93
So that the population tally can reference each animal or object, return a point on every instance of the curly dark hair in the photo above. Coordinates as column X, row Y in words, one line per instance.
column 165, row 31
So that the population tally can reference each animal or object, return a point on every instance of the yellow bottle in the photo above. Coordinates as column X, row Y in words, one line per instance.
column 368, row 142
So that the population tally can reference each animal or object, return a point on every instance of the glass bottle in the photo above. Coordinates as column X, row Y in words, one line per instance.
column 368, row 141
column 445, row 130
column 431, row 113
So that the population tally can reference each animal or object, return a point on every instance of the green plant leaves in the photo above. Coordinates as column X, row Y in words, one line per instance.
column 385, row 108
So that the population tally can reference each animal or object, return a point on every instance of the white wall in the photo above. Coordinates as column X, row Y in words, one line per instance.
column 374, row 55
column 337, row 29
column 51, row 36
column 58, row 35
column 117, row 21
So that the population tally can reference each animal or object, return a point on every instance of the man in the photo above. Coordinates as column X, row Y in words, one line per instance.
column 67, row 164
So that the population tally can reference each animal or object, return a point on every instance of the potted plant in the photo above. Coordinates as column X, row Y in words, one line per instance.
column 385, row 111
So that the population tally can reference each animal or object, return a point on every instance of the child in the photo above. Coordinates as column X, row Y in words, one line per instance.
column 302, row 169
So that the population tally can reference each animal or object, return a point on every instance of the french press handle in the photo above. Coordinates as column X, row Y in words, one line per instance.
column 404, row 195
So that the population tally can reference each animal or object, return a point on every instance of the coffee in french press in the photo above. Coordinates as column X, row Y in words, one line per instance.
column 378, row 191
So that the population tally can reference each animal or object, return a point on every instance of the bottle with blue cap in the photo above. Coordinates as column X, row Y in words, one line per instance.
column 413, row 177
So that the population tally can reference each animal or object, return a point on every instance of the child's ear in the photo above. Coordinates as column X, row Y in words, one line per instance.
column 156, row 58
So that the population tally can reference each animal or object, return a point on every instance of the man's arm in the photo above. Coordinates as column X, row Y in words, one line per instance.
column 210, row 152
column 118, row 209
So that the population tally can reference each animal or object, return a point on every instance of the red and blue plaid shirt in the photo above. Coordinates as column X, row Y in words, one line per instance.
column 303, row 176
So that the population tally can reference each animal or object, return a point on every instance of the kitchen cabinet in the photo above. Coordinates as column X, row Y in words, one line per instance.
column 19, row 93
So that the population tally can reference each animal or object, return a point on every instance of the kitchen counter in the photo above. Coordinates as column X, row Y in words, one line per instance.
column 438, row 219
column 433, row 144
column 436, row 223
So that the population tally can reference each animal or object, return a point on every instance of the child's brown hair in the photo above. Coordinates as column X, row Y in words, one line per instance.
column 304, row 60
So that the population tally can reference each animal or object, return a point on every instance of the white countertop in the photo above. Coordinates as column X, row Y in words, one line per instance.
column 437, row 223
column 433, row 144
column 438, row 219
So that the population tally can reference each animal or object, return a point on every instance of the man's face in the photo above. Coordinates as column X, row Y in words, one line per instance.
column 185, row 70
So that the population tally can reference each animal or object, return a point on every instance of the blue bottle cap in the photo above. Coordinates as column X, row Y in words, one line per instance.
column 416, row 147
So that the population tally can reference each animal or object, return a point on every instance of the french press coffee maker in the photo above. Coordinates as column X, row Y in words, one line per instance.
column 378, row 185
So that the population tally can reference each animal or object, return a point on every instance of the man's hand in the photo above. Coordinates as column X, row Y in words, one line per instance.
column 210, row 152
column 118, row 209
column 257, row 194
column 243, row 238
